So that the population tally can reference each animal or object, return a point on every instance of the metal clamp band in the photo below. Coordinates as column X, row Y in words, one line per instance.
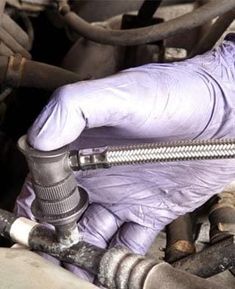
column 15, row 70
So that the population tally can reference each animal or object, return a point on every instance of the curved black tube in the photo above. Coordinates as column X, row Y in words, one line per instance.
column 151, row 33
column 39, row 75
column 148, row 9
column 214, row 33
column 2, row 7
column 206, row 263
column 45, row 76
column 81, row 254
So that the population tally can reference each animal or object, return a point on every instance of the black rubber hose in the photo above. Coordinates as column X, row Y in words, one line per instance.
column 82, row 254
column 39, row 75
column 148, row 8
column 148, row 34
column 29, row 28
column 2, row 7
column 45, row 76
column 43, row 239
column 179, row 239
column 213, row 34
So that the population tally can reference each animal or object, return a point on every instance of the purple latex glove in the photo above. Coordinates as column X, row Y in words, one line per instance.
column 156, row 102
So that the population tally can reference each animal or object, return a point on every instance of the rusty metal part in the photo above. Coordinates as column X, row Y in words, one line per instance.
column 210, row 261
column 222, row 217
column 179, row 236
column 150, row 34
column 15, row 70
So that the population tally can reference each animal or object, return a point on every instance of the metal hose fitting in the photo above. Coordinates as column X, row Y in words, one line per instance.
column 58, row 200
column 109, row 156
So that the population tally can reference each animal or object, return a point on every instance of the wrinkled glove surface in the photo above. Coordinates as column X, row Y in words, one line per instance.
column 129, row 205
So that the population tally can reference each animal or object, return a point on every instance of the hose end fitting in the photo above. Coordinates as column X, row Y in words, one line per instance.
column 58, row 200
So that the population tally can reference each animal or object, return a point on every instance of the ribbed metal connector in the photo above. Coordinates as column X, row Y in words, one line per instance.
column 109, row 156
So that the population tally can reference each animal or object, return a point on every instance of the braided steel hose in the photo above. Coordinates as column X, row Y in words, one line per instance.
column 109, row 156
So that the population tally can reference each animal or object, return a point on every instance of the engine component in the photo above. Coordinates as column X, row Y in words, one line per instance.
column 22, row 269
column 13, row 38
column 179, row 235
column 16, row 71
column 33, row 6
column 213, row 33
column 222, row 217
column 149, row 34
column 118, row 268
column 210, row 261
column 58, row 200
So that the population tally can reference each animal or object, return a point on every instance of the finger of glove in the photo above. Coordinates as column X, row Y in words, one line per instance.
column 106, row 102
column 118, row 101
column 98, row 225
column 58, row 122
column 24, row 200
column 23, row 209
column 135, row 237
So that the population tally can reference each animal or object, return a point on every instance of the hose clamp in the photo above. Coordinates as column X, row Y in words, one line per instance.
column 15, row 70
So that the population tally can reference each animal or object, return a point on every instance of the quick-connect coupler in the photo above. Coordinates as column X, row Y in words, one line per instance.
column 58, row 200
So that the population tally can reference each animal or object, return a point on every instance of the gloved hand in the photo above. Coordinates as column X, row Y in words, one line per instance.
column 193, row 99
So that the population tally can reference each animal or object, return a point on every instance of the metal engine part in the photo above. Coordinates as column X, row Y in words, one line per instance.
column 118, row 268
column 60, row 42
column 58, row 199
